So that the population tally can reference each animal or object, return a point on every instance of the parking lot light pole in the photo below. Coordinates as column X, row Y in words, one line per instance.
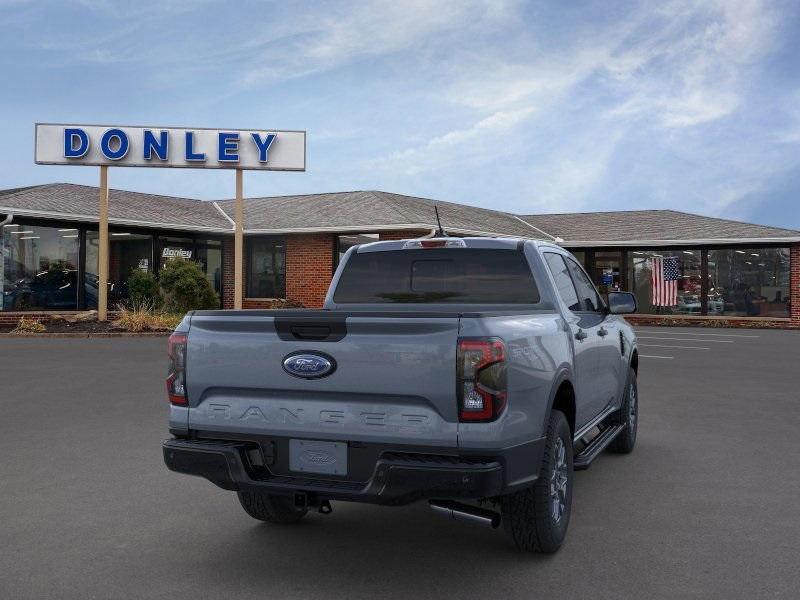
column 238, row 243
column 102, row 257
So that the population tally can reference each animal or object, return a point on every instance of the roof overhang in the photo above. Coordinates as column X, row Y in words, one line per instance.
column 686, row 242
column 377, row 229
column 113, row 221
column 411, row 227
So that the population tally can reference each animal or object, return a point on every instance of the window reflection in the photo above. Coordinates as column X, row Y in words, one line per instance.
column 608, row 271
column 651, row 275
column 749, row 282
column 266, row 267
column 345, row 242
column 39, row 268
column 128, row 252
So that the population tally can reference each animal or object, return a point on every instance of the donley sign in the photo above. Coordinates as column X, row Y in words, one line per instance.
column 120, row 146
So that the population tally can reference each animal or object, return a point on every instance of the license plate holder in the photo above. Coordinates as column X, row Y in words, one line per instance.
column 317, row 456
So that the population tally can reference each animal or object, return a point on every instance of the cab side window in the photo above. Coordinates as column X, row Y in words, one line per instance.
column 564, row 285
column 588, row 297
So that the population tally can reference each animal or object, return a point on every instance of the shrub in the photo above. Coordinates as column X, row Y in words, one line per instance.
column 184, row 287
column 26, row 325
column 143, row 289
column 143, row 317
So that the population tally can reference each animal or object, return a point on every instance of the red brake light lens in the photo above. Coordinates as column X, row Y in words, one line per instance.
column 435, row 243
column 176, row 377
column 481, row 380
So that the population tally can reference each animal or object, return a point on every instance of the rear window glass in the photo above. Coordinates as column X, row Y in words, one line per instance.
column 437, row 275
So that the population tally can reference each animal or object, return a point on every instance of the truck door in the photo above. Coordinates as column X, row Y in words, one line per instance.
column 594, row 382
column 603, row 335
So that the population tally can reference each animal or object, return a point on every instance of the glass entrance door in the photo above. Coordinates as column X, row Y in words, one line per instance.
column 209, row 255
column 175, row 247
column 128, row 252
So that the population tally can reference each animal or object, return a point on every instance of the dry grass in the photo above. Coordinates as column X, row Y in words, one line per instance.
column 143, row 317
column 26, row 325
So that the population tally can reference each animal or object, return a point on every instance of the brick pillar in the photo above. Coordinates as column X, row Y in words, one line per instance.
column 309, row 267
column 794, row 283
column 227, row 272
column 402, row 235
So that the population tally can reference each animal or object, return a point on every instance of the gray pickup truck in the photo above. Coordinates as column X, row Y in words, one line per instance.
column 475, row 373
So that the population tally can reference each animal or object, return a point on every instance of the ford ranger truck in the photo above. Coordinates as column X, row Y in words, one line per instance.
column 474, row 373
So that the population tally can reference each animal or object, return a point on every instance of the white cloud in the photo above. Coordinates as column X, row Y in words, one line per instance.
column 669, row 70
column 349, row 32
column 525, row 105
column 475, row 144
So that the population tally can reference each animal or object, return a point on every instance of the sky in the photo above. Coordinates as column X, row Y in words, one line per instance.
column 529, row 107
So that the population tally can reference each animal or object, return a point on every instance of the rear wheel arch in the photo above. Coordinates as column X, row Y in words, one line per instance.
column 563, row 399
column 635, row 361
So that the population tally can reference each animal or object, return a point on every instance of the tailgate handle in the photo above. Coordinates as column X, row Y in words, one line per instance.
column 310, row 329
column 311, row 332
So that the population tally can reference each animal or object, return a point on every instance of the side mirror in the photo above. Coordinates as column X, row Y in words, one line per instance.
column 621, row 303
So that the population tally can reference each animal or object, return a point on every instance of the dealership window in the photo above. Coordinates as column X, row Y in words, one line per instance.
column 666, row 281
column 608, row 271
column 39, row 267
column 205, row 252
column 345, row 242
column 581, row 256
column 176, row 247
column 749, row 282
column 209, row 255
column 266, row 267
column 127, row 252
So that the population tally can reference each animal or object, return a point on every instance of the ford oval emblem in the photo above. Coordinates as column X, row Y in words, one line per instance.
column 309, row 365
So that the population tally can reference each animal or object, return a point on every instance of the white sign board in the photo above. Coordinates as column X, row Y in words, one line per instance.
column 189, row 148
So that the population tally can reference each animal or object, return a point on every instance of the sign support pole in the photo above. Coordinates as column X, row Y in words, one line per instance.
column 238, row 255
column 102, row 257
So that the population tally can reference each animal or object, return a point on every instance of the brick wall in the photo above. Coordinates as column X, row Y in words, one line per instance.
column 794, row 283
column 228, row 266
column 309, row 267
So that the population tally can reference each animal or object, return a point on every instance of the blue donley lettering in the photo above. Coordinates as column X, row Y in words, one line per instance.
column 115, row 144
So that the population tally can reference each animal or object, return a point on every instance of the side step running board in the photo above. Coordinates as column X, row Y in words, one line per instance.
column 585, row 457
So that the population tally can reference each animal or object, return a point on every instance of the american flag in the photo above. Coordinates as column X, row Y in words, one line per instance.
column 664, row 277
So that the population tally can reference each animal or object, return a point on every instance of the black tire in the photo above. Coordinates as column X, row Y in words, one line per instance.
column 528, row 515
column 271, row 508
column 628, row 415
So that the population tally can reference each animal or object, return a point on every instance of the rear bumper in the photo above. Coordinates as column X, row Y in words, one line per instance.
column 398, row 477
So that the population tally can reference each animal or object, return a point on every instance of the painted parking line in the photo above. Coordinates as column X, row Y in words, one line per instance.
column 665, row 346
column 671, row 339
column 733, row 335
column 651, row 356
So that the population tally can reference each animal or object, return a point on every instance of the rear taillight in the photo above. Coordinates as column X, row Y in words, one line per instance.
column 481, row 373
column 176, row 378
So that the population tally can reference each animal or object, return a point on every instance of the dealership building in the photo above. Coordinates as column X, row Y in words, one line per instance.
column 727, row 270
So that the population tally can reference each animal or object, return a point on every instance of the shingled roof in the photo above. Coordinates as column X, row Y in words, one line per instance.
column 72, row 202
column 373, row 211
column 636, row 227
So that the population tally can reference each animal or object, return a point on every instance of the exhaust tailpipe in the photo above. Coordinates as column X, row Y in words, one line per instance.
column 459, row 511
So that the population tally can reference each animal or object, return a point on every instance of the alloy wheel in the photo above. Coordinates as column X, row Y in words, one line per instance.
column 559, row 479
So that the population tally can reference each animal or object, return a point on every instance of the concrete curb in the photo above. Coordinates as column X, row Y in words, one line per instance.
column 87, row 334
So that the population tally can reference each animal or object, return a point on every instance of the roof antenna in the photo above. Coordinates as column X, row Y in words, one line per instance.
column 439, row 232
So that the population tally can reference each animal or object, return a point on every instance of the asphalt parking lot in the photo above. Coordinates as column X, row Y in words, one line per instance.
column 707, row 506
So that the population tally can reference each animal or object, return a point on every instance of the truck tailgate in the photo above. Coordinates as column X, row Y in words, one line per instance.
column 394, row 379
